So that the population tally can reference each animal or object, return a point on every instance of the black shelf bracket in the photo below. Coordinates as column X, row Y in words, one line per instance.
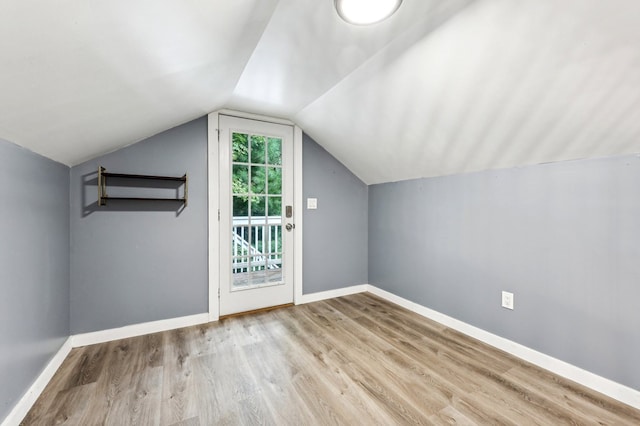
column 103, row 176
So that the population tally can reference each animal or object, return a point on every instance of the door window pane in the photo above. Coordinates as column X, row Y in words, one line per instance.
column 274, row 150
column 258, row 180
column 240, row 147
column 240, row 264
column 240, row 179
column 275, row 180
column 240, row 206
column 258, row 206
column 258, row 263
column 275, row 239
column 258, row 148
column 274, row 275
column 275, row 207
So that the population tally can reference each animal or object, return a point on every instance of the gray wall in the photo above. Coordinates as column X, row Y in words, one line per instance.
column 335, row 235
column 563, row 237
column 133, row 263
column 34, row 268
column 139, row 261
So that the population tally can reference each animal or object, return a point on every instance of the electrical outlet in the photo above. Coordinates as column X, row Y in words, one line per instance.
column 312, row 203
column 507, row 300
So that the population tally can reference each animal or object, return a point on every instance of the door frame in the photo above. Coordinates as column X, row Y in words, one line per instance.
column 214, row 204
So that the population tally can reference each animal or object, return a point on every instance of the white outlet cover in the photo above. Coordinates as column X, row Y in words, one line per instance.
column 507, row 300
column 312, row 203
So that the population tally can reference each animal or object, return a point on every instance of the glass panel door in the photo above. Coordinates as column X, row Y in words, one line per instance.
column 256, row 186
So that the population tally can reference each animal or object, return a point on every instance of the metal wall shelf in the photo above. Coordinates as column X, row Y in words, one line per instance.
column 103, row 176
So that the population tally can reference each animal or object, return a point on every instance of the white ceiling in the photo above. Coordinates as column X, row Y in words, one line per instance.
column 442, row 87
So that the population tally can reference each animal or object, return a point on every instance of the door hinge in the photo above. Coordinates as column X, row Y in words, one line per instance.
column 218, row 131
column 218, row 292
column 218, row 215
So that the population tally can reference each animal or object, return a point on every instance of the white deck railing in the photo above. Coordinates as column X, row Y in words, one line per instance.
column 260, row 239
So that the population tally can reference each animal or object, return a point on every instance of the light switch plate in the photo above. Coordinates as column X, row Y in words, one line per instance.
column 507, row 300
column 312, row 203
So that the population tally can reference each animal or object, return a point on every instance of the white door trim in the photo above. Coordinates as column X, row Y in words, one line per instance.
column 214, row 222
column 256, row 117
column 297, row 214
column 214, row 205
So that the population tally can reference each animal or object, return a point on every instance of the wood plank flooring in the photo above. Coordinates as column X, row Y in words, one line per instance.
column 355, row 360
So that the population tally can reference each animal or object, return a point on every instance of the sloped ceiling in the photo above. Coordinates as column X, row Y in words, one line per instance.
column 442, row 87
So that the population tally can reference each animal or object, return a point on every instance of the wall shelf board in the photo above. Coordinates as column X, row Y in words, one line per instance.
column 104, row 176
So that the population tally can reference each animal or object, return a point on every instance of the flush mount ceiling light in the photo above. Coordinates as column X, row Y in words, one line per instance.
column 365, row 12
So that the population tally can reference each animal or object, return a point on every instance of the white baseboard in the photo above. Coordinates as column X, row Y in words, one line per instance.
column 330, row 294
column 600, row 384
column 23, row 406
column 134, row 330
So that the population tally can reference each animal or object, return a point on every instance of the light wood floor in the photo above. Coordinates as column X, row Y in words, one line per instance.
column 355, row 360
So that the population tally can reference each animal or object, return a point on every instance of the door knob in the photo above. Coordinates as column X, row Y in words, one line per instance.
column 289, row 226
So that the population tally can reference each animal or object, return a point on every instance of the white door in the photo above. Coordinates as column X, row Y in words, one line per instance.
column 256, row 214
